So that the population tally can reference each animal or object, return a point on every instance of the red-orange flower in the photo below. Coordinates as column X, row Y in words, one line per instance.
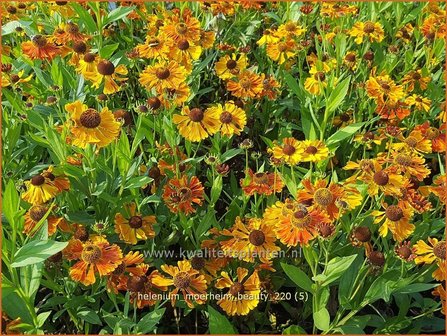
column 181, row 193
column 261, row 183
column 40, row 48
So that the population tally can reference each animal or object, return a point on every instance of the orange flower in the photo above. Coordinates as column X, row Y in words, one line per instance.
column 40, row 48
column 261, row 183
column 437, row 136
column 134, row 227
column 117, row 280
column 180, row 194
column 36, row 213
column 96, row 255
column 246, row 85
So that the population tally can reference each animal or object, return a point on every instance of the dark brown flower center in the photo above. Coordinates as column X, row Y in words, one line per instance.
column 432, row 133
column 345, row 117
column 39, row 41
column 320, row 76
column 136, row 283
column 311, row 150
column 368, row 136
column 323, row 197
column 135, row 222
column 404, row 252
column 439, row 250
column 38, row 180
column 236, row 288
column 362, row 234
column 301, row 219
column 11, row 9
column 80, row 47
column 14, row 78
column 91, row 254
column 182, row 280
column 231, row 64
column 369, row 55
column 196, row 114
column 72, row 28
column 325, row 230
column 90, row 118
column 89, row 57
column 385, row 86
column 376, row 258
column 226, row 117
column 381, row 178
column 81, row 233
column 366, row 164
column 394, row 213
column 369, row 27
column 260, row 178
column 162, row 73
column 282, row 47
column 183, row 45
column 245, row 83
column 198, row 263
column 182, row 28
column 416, row 76
column 154, row 103
column 120, row 269
column 288, row 149
column 106, row 68
column 257, row 237
column 37, row 212
column 350, row 57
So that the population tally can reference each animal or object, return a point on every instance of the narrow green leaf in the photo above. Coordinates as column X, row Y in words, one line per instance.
column 219, row 324
column 298, row 277
column 37, row 251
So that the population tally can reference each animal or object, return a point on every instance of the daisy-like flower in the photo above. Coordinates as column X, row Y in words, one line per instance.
column 142, row 289
column 182, row 27
column 185, row 52
column 351, row 60
column 154, row 47
column 14, row 78
column 39, row 190
column 316, row 82
column 250, row 240
column 437, row 136
column 330, row 197
column 383, row 89
column 232, row 118
column 180, row 194
column 415, row 78
column 117, row 280
column 87, row 66
column 209, row 267
column 207, row 39
column 107, row 73
column 408, row 163
column 96, row 256
column 440, row 291
column 414, row 142
column 184, row 279
column 394, row 219
column 290, row 151
column 40, row 48
column 268, row 36
column 296, row 223
column 435, row 250
column 405, row 251
column 246, row 85
column 383, row 180
column 36, row 213
column 69, row 32
column 281, row 51
column 90, row 126
column 393, row 110
column 243, row 292
column 420, row 103
column 163, row 75
column 335, row 10
column 438, row 188
column 371, row 31
column 174, row 96
column 405, row 33
column 230, row 66
column 290, row 30
column 261, row 183
column 134, row 227
column 59, row 180
column 270, row 87
column 313, row 151
column 196, row 124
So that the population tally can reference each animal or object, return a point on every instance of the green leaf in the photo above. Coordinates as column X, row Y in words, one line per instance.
column 337, row 96
column 298, row 277
column 294, row 330
column 219, row 324
column 292, row 83
column 118, row 14
column 89, row 316
column 415, row 288
column 148, row 322
column 85, row 17
column 137, row 182
column 346, row 284
column 230, row 154
column 344, row 133
column 11, row 203
column 382, row 287
column 108, row 50
column 334, row 269
column 37, row 251
column 216, row 189
column 322, row 319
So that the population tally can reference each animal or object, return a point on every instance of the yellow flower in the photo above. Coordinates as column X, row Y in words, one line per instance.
column 316, row 82
column 195, row 124
column 39, row 190
column 228, row 67
column 243, row 293
column 163, row 75
column 246, row 85
column 383, row 89
column 368, row 30
column 232, row 118
column 281, row 51
column 134, row 227
column 290, row 151
column 90, row 126
column 421, row 103
column 427, row 254
column 107, row 73
column 314, row 151
column 395, row 219
column 87, row 66
column 290, row 29
column 154, row 47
